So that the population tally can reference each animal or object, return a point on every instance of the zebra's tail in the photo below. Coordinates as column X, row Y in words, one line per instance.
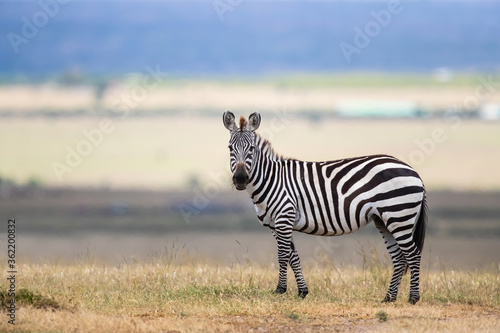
column 419, row 233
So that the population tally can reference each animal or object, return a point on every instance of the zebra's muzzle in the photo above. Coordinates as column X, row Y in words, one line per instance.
column 240, row 177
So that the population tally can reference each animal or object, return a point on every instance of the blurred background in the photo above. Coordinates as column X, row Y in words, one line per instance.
column 113, row 145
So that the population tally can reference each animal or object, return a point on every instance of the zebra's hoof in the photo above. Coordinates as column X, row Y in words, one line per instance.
column 280, row 290
column 303, row 293
column 388, row 299
column 414, row 299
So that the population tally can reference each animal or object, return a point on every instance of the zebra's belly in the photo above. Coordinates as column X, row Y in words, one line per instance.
column 319, row 221
column 325, row 223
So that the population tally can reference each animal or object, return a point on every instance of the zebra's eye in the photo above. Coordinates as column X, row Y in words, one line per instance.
column 230, row 148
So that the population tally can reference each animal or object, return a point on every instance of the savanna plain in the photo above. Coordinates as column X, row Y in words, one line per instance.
column 165, row 296
column 110, row 246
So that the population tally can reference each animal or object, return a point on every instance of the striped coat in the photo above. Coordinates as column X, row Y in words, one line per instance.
column 329, row 199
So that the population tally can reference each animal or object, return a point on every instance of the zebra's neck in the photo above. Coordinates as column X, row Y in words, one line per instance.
column 265, row 161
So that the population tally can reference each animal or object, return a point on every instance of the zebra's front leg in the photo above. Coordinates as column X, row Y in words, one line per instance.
column 283, row 258
column 297, row 271
column 288, row 255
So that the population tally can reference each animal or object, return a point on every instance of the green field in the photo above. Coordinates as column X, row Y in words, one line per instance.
column 177, row 152
column 321, row 94
column 170, row 136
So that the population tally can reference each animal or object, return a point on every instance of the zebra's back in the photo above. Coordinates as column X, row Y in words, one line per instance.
column 339, row 197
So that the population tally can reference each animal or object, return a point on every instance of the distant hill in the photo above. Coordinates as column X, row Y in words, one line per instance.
column 190, row 38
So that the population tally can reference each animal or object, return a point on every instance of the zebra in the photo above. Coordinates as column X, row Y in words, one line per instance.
column 329, row 199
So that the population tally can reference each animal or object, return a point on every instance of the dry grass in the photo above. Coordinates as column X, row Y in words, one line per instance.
column 168, row 295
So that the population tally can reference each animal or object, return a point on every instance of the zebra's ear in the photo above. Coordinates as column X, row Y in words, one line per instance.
column 228, row 120
column 254, row 121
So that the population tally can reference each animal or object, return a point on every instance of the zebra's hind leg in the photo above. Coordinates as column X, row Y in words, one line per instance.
column 413, row 258
column 398, row 260
column 402, row 232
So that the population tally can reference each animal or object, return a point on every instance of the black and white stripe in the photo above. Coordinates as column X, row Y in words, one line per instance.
column 330, row 199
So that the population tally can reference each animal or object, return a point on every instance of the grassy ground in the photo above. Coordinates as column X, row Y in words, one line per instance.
column 174, row 294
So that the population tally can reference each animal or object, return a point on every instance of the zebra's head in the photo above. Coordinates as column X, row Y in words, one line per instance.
column 241, row 146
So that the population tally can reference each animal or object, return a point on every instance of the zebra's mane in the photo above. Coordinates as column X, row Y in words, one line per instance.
column 266, row 144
